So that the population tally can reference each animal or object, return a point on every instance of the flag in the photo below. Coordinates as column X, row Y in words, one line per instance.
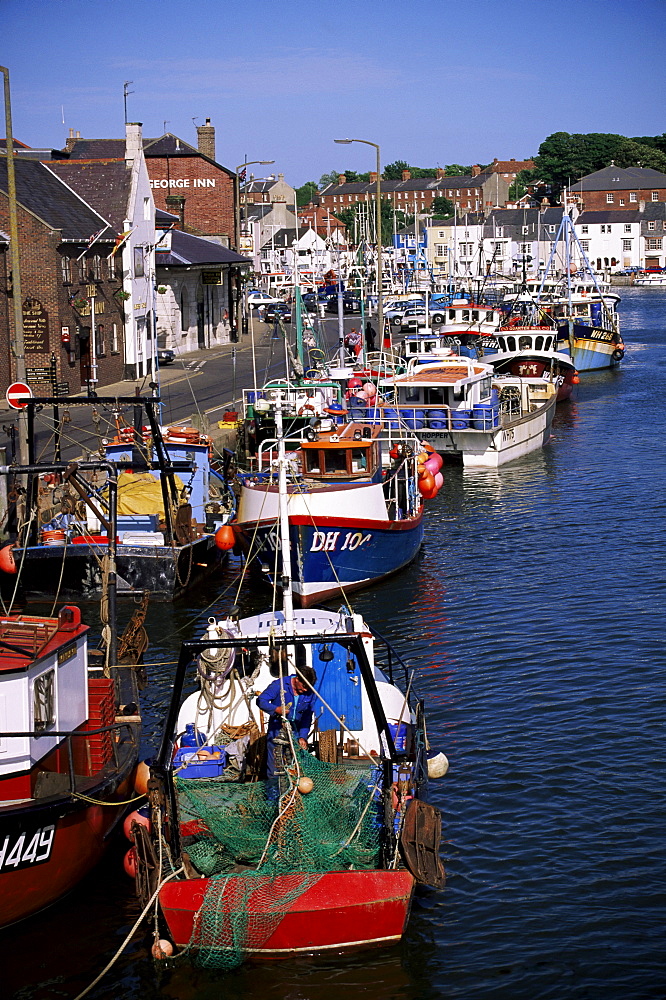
column 120, row 240
column 242, row 174
column 93, row 239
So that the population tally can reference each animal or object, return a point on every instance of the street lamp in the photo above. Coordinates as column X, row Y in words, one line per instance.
column 378, row 207
column 238, row 312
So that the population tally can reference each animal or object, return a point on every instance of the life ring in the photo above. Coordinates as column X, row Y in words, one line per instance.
column 334, row 413
column 306, row 406
column 617, row 354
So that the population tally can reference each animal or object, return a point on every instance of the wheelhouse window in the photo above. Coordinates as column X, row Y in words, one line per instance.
column 359, row 461
column 433, row 397
column 43, row 704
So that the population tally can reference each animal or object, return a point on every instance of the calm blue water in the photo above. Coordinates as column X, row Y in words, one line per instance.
column 534, row 618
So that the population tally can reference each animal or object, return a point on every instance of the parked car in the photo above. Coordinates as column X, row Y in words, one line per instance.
column 276, row 311
column 255, row 299
column 350, row 304
column 410, row 319
column 165, row 355
column 311, row 301
column 629, row 270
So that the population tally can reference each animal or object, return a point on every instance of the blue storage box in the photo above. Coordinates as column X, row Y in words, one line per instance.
column 189, row 765
column 136, row 522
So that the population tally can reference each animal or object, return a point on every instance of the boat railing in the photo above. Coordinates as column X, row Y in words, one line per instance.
column 106, row 740
column 481, row 416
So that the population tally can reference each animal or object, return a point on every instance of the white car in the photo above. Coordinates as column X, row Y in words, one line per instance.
column 257, row 299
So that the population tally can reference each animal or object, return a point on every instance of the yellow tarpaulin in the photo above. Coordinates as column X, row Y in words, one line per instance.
column 141, row 493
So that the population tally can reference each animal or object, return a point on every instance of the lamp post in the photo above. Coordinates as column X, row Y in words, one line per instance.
column 237, row 228
column 378, row 208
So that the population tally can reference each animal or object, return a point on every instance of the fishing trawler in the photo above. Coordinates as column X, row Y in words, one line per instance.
column 323, row 853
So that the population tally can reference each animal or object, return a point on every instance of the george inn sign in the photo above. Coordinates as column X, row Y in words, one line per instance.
column 184, row 182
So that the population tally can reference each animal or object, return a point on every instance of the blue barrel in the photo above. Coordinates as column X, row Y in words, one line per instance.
column 460, row 419
column 414, row 419
column 485, row 416
column 437, row 420
column 595, row 313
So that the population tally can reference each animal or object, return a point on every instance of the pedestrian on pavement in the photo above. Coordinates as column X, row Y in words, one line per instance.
column 353, row 341
column 370, row 336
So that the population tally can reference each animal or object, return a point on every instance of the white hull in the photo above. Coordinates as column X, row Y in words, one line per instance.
column 490, row 449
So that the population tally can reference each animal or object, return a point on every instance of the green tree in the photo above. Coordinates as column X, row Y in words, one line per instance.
column 305, row 193
column 330, row 178
column 654, row 141
column 393, row 171
column 442, row 208
column 456, row 170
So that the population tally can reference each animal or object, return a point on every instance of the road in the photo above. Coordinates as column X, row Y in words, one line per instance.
column 202, row 382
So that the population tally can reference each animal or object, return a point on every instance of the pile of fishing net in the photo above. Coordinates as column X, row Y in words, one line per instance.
column 288, row 841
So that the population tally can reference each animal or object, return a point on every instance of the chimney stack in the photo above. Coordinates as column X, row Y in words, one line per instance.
column 133, row 141
column 373, row 176
column 342, row 178
column 441, row 172
column 406, row 175
column 476, row 170
column 206, row 139
column 71, row 140
column 175, row 203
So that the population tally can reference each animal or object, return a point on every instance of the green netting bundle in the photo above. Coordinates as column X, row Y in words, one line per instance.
column 288, row 841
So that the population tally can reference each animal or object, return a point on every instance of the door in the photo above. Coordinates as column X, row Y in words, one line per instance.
column 339, row 684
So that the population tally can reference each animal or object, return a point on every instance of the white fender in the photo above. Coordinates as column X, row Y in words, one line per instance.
column 438, row 766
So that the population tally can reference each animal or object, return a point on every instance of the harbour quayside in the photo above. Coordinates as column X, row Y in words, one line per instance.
column 354, row 506
column 160, row 526
column 286, row 801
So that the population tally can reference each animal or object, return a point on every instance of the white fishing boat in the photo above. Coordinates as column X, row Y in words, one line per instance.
column 468, row 413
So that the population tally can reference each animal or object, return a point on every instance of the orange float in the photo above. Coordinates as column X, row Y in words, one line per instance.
column 7, row 561
column 225, row 538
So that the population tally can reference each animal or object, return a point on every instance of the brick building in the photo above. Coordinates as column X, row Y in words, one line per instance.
column 71, row 313
column 185, row 180
column 480, row 191
column 619, row 188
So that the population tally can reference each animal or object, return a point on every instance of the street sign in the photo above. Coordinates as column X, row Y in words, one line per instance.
column 18, row 395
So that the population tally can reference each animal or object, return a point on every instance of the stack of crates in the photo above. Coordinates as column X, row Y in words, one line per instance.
column 101, row 712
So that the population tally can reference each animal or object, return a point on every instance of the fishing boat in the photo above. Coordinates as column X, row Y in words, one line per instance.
column 352, row 522
column 322, row 855
column 584, row 312
column 470, row 414
column 164, row 525
column 69, row 742
column 655, row 280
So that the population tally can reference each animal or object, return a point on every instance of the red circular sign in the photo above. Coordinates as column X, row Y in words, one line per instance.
column 18, row 395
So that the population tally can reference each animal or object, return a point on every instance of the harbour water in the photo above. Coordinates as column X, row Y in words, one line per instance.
column 534, row 619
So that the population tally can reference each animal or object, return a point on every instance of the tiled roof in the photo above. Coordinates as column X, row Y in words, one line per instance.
column 44, row 194
column 114, row 149
column 104, row 184
column 612, row 215
column 187, row 249
column 621, row 179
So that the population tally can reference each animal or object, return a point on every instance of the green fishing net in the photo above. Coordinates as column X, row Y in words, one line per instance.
column 287, row 840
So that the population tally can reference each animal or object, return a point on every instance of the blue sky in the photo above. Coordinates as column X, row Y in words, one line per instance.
column 432, row 81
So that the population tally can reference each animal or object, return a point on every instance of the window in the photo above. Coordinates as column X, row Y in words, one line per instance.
column 585, row 244
column 82, row 269
column 66, row 267
column 112, row 268
column 627, row 227
column 626, row 246
column 654, row 244
column 621, row 201
column 439, row 250
column 551, row 229
column 99, row 336
column 652, row 225
column 97, row 268
column 583, row 229
column 43, row 705
column 499, row 231
column 138, row 262
column 184, row 318
column 114, row 338
column 632, row 196
column 146, row 209
column 609, row 198
column 655, row 196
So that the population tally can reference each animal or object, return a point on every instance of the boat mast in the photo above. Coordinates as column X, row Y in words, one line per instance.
column 285, row 549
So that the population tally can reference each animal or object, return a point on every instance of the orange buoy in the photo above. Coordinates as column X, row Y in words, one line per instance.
column 429, row 494
column 7, row 561
column 129, row 863
column 426, row 483
column 225, row 538
column 575, row 379
column 439, row 480
column 305, row 784
column 135, row 817
column 428, row 447
column 141, row 776
column 162, row 949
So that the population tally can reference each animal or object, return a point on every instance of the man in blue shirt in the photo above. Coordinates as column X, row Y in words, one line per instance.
column 298, row 700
